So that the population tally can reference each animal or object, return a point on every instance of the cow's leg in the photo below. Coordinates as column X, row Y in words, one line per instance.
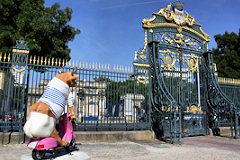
column 54, row 134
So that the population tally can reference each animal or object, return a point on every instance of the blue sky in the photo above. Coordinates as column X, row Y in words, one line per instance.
column 111, row 30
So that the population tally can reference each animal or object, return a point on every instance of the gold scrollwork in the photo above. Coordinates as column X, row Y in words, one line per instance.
column 194, row 109
column 143, row 56
column 169, row 108
column 148, row 21
column 189, row 19
column 203, row 35
column 179, row 29
column 167, row 51
column 179, row 39
column 171, row 39
column 168, row 60
column 192, row 61
column 144, row 49
column 141, row 81
column 18, row 70
column 167, row 37
column 192, row 65
column 170, row 15
column 168, row 63
column 20, row 51
column 141, row 64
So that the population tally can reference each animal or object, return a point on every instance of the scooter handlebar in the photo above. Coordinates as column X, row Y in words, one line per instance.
column 74, row 124
column 73, row 121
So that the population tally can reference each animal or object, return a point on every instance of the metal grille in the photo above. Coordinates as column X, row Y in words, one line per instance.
column 105, row 98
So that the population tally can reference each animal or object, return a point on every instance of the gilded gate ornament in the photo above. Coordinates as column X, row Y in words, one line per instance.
column 182, row 20
column 15, row 70
column 168, row 58
column 177, row 14
column 192, row 61
column 194, row 109
column 141, row 54
column 141, row 80
column 18, row 70
column 192, row 65
column 179, row 39
column 168, row 62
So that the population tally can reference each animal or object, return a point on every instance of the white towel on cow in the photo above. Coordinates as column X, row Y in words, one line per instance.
column 55, row 96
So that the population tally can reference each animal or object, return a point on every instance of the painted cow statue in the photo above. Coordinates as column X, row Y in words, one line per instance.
column 44, row 114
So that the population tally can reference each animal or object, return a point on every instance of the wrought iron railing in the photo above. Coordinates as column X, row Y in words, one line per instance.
column 221, row 111
column 106, row 97
column 231, row 87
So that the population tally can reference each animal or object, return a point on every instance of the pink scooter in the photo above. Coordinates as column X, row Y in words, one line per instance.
column 40, row 146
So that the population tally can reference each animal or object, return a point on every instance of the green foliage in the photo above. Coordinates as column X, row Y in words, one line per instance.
column 18, row 92
column 116, row 89
column 102, row 79
column 227, row 54
column 45, row 29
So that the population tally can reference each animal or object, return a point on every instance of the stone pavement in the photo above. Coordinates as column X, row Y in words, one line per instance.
column 194, row 148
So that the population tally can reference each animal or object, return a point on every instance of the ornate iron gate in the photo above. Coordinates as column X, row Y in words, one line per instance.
column 175, row 44
column 184, row 92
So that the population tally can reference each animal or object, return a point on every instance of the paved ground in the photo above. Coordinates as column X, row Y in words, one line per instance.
column 75, row 155
column 194, row 148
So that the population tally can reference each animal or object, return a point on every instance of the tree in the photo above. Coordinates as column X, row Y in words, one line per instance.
column 45, row 29
column 116, row 89
column 227, row 54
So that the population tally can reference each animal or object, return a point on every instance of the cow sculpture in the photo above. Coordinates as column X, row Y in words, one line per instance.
column 44, row 114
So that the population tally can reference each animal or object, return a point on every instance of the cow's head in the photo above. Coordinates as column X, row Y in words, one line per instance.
column 68, row 78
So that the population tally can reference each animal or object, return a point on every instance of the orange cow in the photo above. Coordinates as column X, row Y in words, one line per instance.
column 44, row 114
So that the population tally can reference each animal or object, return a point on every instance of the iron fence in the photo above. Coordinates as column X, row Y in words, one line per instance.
column 231, row 87
column 105, row 98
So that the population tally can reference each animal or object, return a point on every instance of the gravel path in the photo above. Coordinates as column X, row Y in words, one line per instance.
column 194, row 148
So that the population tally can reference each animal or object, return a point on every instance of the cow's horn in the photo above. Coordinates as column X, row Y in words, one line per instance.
column 75, row 70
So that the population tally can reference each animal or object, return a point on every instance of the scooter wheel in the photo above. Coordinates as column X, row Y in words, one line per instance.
column 38, row 154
